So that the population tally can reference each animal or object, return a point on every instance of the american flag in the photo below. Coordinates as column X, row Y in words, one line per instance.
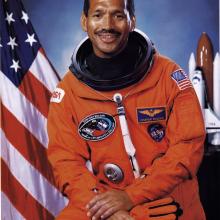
column 182, row 80
column 27, row 81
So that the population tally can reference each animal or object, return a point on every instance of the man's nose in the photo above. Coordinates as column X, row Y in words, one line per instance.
column 108, row 22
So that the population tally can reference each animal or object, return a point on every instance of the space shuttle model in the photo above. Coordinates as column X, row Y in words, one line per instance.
column 204, row 73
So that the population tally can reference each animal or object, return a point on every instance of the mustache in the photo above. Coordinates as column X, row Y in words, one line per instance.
column 108, row 31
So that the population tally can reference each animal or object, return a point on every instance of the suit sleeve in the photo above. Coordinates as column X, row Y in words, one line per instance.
column 68, row 154
column 185, row 134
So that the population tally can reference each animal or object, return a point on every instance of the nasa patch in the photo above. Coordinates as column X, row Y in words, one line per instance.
column 57, row 95
column 156, row 131
column 151, row 114
column 97, row 127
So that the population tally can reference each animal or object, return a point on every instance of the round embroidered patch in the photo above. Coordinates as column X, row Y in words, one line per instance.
column 156, row 131
column 97, row 127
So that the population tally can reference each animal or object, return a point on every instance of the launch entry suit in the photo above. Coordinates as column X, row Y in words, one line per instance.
column 166, row 128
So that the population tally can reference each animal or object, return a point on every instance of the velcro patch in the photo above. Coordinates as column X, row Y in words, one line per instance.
column 151, row 114
column 181, row 79
column 57, row 95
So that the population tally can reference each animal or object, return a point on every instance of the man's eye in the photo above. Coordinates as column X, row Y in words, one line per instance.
column 96, row 15
column 119, row 16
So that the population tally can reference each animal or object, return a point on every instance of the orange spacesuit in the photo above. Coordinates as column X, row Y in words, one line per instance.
column 166, row 128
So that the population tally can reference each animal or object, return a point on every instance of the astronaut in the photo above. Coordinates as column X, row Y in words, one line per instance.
column 144, row 159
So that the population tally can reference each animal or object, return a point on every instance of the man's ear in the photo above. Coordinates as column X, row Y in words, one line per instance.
column 83, row 21
column 133, row 23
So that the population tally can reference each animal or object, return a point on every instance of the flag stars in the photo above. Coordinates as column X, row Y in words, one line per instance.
column 30, row 39
column 25, row 17
column 15, row 65
column 12, row 43
column 9, row 18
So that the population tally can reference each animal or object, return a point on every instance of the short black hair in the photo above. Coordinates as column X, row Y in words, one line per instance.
column 130, row 7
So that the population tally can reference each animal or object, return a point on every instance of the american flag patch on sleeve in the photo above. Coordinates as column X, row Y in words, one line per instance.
column 181, row 79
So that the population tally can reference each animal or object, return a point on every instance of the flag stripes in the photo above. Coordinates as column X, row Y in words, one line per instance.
column 43, row 71
column 31, row 208
column 184, row 84
column 41, row 98
column 36, row 155
column 10, row 212
column 20, row 107
column 34, row 183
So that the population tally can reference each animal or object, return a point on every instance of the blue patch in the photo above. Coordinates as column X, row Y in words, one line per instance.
column 156, row 131
column 97, row 127
column 178, row 76
column 151, row 114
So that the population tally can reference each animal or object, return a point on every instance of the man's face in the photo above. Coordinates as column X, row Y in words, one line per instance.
column 108, row 25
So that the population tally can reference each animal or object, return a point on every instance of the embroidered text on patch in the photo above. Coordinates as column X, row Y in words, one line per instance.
column 181, row 79
column 151, row 114
column 57, row 95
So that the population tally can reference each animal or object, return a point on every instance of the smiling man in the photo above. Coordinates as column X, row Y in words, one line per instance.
column 125, row 128
column 108, row 24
